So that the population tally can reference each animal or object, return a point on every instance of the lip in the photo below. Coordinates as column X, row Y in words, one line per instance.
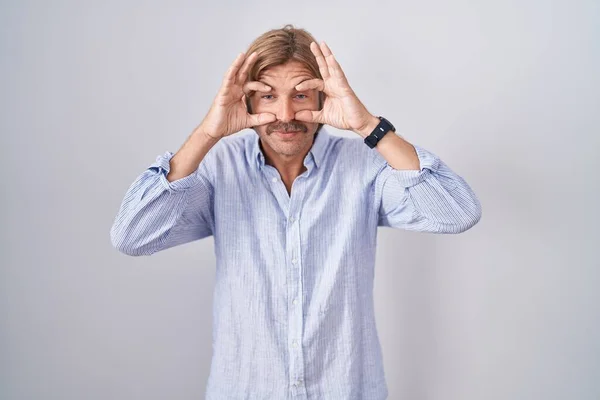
column 287, row 134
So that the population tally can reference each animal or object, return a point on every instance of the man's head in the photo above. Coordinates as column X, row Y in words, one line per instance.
column 284, row 59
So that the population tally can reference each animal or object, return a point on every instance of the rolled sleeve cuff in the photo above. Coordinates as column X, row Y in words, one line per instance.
column 162, row 166
column 428, row 162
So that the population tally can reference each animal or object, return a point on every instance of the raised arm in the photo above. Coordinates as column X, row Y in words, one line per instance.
column 171, row 202
column 414, row 189
column 432, row 198
column 161, row 210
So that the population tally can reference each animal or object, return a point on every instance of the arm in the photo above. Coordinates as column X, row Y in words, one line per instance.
column 172, row 202
column 415, row 189
column 169, row 204
column 418, row 191
column 432, row 198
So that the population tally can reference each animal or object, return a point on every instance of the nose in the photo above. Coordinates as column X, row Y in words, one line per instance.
column 286, row 111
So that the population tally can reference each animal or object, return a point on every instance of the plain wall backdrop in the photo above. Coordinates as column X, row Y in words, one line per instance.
column 505, row 92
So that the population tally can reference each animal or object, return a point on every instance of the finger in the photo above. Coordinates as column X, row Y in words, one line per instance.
column 256, row 87
column 260, row 119
column 323, row 69
column 233, row 69
column 309, row 116
column 332, row 64
column 311, row 84
column 243, row 73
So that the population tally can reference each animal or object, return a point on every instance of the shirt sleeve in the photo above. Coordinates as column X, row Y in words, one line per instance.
column 433, row 199
column 156, row 214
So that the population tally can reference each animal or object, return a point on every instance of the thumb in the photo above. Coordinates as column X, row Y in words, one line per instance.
column 260, row 119
column 309, row 116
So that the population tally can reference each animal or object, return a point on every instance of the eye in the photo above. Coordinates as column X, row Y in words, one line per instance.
column 305, row 96
column 266, row 95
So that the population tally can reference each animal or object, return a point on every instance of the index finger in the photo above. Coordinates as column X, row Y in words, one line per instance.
column 243, row 74
column 320, row 60
column 334, row 66
column 233, row 69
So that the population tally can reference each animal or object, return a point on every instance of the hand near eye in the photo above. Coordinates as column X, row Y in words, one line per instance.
column 228, row 113
column 341, row 109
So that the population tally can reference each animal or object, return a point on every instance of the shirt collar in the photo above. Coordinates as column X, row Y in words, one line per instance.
column 316, row 152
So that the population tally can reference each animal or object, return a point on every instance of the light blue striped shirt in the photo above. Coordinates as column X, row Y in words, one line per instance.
column 293, row 314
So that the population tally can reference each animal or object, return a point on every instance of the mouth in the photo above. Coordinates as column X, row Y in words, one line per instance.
column 288, row 134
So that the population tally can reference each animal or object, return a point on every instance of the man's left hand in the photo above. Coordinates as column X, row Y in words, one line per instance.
column 341, row 109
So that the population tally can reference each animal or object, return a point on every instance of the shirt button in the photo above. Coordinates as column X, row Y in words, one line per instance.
column 294, row 261
column 292, row 219
column 274, row 179
column 295, row 302
column 294, row 344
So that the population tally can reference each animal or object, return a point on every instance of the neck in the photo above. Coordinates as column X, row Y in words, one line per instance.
column 288, row 167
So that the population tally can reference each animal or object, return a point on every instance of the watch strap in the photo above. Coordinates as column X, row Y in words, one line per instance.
column 379, row 132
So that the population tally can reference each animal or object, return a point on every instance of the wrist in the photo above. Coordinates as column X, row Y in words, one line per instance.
column 368, row 127
column 204, row 134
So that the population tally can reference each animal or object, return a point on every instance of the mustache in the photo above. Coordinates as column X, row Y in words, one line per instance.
column 287, row 127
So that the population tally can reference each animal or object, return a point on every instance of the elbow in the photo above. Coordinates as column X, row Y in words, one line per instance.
column 119, row 241
column 468, row 218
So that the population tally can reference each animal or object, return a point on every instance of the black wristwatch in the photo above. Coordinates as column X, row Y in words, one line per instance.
column 380, row 130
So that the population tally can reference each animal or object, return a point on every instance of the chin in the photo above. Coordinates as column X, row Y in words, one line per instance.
column 288, row 147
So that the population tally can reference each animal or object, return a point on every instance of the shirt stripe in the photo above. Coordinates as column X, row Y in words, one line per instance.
column 293, row 313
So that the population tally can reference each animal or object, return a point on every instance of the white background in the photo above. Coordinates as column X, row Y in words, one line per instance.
column 505, row 92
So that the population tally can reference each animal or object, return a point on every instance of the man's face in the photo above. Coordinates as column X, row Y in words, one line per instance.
column 286, row 136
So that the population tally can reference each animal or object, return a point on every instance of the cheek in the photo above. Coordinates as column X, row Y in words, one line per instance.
column 255, row 106
column 261, row 130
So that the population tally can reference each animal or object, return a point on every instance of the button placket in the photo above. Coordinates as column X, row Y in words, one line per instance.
column 294, row 273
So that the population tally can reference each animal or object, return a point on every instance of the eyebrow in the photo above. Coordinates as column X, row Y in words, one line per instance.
column 293, row 89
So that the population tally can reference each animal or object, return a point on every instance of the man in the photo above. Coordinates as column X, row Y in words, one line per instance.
column 294, row 213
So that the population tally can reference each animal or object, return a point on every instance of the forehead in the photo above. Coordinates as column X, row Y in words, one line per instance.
column 285, row 75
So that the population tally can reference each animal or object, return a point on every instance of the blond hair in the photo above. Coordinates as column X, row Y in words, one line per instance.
column 279, row 46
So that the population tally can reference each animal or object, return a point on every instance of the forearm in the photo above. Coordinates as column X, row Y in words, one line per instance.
column 434, row 199
column 191, row 154
column 152, row 216
column 146, row 214
column 398, row 153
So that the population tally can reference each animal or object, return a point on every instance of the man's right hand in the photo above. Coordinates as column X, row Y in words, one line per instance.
column 228, row 113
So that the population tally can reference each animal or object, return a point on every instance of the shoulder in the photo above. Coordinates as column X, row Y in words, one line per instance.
column 228, row 154
column 350, row 149
column 235, row 146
